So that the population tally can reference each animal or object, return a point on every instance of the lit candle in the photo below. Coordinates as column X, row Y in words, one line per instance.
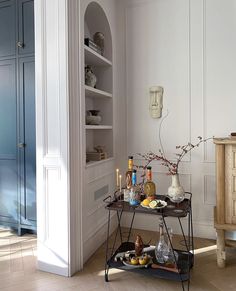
column 120, row 182
column 117, row 177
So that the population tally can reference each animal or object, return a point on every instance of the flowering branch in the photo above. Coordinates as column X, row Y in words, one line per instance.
column 172, row 166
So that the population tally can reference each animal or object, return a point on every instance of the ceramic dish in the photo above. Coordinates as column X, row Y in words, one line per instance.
column 164, row 203
column 131, row 266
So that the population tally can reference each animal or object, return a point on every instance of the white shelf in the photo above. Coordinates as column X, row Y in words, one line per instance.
column 94, row 59
column 95, row 163
column 98, row 126
column 96, row 93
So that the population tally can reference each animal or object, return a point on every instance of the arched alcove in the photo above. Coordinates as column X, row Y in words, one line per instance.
column 96, row 20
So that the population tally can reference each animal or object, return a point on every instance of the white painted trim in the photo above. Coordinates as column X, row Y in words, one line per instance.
column 75, row 137
column 58, row 161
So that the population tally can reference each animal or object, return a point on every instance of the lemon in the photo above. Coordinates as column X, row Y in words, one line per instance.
column 134, row 261
column 146, row 202
column 153, row 204
column 143, row 260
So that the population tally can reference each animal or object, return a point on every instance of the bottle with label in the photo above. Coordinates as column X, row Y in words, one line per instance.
column 161, row 250
column 134, row 191
column 149, row 186
column 128, row 175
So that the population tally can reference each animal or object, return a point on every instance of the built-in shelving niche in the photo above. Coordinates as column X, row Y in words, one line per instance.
column 101, row 97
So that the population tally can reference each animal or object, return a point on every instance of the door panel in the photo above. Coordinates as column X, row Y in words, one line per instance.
column 26, row 26
column 8, row 157
column 7, row 29
column 27, row 136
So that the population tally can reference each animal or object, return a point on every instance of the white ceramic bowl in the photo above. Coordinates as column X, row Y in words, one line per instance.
column 93, row 120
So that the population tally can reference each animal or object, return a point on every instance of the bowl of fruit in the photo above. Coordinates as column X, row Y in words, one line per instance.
column 153, row 204
column 142, row 261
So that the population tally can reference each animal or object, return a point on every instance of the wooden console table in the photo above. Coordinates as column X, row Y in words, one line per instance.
column 225, row 210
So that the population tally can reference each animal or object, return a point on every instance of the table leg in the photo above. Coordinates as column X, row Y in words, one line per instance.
column 220, row 248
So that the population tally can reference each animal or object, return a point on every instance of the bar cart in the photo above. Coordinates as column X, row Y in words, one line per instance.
column 184, row 259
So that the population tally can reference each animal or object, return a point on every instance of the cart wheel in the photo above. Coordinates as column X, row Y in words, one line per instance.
column 106, row 278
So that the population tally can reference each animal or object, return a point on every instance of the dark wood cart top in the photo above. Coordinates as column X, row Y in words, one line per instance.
column 172, row 209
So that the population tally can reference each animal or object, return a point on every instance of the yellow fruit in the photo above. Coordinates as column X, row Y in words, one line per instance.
column 146, row 202
column 143, row 260
column 134, row 261
column 153, row 204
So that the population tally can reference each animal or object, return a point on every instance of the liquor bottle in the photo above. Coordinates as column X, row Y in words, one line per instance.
column 149, row 186
column 134, row 190
column 161, row 250
column 128, row 175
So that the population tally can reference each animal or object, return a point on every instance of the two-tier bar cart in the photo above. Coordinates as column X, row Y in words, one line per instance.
column 185, row 258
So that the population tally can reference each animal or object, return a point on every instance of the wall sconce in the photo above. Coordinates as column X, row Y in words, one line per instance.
column 156, row 101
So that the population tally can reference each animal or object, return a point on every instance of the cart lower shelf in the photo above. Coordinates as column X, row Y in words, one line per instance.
column 185, row 262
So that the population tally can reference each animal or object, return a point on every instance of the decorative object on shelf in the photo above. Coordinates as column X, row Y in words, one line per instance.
column 93, row 118
column 176, row 191
column 90, row 77
column 99, row 40
column 138, row 245
column 156, row 101
column 92, row 45
column 98, row 155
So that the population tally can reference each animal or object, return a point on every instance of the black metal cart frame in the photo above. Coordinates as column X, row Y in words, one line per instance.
column 185, row 259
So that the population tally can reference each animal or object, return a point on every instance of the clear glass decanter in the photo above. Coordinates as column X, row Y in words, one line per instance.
column 161, row 250
column 171, row 254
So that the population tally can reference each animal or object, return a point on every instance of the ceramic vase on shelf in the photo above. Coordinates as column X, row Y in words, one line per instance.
column 176, row 191
column 90, row 77
column 93, row 118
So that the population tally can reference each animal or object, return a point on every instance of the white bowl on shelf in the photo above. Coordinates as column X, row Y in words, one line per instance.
column 93, row 119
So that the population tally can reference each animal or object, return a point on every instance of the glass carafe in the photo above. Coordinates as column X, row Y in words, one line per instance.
column 161, row 250
column 171, row 254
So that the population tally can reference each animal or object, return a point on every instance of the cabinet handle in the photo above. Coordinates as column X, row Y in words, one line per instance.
column 20, row 44
column 21, row 145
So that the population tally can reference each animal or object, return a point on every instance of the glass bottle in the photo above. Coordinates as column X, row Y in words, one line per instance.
column 161, row 250
column 128, row 175
column 149, row 186
column 172, row 256
column 134, row 191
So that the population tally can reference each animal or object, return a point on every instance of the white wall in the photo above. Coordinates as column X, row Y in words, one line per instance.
column 188, row 47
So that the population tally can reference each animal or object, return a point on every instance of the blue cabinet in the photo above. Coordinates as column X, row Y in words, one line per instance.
column 7, row 29
column 17, row 115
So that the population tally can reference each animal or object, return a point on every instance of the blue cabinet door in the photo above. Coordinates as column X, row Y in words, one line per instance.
column 17, row 115
column 27, row 142
column 8, row 141
column 26, row 26
column 7, row 29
